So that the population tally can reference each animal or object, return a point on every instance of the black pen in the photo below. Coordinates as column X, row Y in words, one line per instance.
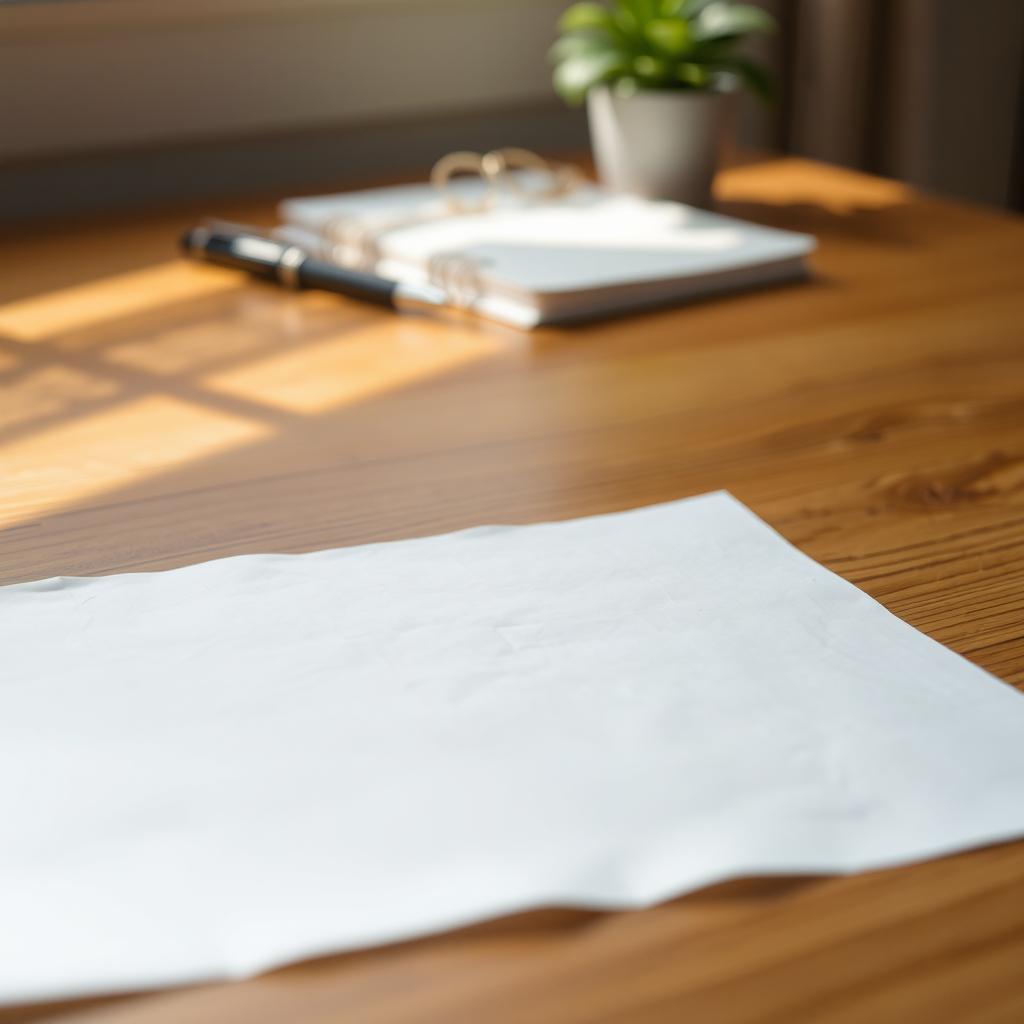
column 291, row 266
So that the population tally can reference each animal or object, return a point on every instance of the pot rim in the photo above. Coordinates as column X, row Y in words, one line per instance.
column 685, row 95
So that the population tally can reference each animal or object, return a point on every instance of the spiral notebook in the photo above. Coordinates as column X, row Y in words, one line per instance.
column 586, row 254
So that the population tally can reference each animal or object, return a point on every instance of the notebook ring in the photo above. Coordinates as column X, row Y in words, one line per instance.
column 344, row 235
column 457, row 275
column 467, row 162
column 499, row 163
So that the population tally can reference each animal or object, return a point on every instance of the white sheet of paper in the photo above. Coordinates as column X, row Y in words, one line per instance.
column 211, row 771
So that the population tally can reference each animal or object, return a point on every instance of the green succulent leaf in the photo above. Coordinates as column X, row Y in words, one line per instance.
column 695, row 75
column 640, row 11
column 577, row 75
column 652, row 71
column 720, row 19
column 672, row 36
column 579, row 46
column 657, row 44
column 583, row 17
column 709, row 51
column 626, row 23
column 688, row 9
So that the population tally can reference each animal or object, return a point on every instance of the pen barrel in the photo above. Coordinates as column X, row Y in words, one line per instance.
column 328, row 277
column 257, row 256
column 273, row 260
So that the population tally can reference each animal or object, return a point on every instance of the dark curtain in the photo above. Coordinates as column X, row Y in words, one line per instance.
column 928, row 91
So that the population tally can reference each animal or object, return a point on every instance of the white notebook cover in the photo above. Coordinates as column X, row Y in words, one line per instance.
column 591, row 252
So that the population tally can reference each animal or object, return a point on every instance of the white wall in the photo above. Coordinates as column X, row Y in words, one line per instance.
column 111, row 74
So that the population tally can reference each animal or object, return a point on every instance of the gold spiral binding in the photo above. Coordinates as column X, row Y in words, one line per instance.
column 351, row 241
column 457, row 275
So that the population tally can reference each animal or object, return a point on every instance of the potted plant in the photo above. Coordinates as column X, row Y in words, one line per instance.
column 658, row 77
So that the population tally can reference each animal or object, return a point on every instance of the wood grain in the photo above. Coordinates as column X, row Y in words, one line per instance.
column 154, row 414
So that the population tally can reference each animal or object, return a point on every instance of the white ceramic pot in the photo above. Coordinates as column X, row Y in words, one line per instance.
column 659, row 143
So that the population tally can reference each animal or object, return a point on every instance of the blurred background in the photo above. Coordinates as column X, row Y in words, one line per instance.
column 130, row 103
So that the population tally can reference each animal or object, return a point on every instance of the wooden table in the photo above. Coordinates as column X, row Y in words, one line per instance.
column 154, row 413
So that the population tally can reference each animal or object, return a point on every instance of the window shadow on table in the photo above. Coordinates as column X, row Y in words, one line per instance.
column 141, row 394
column 112, row 386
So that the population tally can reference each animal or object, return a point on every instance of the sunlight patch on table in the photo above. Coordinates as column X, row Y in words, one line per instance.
column 48, row 391
column 799, row 182
column 110, row 298
column 86, row 456
column 370, row 360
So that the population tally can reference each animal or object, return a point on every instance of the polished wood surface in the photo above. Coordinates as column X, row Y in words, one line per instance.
column 154, row 413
